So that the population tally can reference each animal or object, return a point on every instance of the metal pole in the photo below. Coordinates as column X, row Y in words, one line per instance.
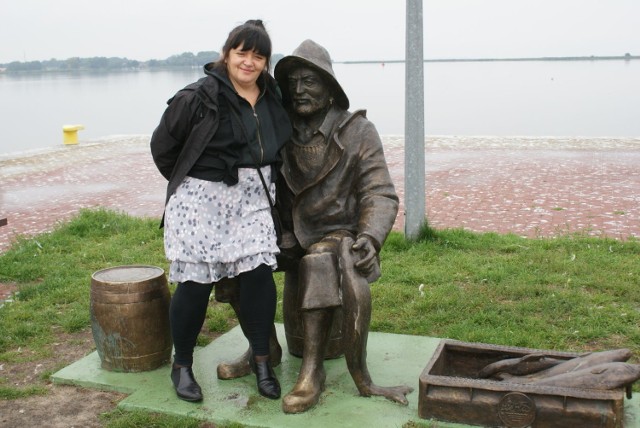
column 414, row 167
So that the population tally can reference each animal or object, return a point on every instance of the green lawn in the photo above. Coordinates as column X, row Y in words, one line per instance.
column 571, row 293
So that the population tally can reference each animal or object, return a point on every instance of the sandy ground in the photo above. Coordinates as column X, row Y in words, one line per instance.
column 60, row 406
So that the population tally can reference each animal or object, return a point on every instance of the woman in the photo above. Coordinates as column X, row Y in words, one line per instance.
column 217, row 222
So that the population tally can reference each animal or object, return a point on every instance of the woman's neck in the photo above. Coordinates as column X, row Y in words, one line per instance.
column 249, row 92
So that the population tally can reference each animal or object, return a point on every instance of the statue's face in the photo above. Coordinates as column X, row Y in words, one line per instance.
column 309, row 92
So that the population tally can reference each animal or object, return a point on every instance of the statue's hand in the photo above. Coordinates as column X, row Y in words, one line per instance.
column 366, row 252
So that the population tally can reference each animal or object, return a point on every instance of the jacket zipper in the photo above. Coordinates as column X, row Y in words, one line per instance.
column 259, row 136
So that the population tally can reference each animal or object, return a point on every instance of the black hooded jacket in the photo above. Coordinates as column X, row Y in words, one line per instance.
column 207, row 130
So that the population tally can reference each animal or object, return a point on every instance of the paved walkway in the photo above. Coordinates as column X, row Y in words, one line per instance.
column 528, row 186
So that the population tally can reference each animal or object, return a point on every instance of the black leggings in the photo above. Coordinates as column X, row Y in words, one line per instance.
column 257, row 299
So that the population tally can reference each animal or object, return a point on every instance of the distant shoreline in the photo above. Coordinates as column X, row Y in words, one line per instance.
column 544, row 58
column 131, row 65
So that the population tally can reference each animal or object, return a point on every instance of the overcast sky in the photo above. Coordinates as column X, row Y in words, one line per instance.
column 350, row 29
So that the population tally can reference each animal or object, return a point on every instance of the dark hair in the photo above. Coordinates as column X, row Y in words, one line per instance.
column 252, row 35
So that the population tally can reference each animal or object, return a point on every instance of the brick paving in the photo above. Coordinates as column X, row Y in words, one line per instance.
column 533, row 187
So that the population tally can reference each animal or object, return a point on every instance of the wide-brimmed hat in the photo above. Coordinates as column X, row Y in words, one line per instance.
column 312, row 55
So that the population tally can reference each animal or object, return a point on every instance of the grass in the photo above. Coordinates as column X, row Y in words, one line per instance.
column 572, row 293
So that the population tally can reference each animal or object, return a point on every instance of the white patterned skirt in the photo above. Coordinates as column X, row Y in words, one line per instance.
column 213, row 230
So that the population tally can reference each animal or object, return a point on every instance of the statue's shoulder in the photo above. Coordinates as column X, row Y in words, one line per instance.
column 347, row 117
column 354, row 121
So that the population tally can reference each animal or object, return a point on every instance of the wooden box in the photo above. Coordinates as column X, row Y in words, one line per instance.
column 451, row 391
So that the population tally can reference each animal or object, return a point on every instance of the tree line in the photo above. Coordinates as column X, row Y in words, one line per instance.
column 186, row 59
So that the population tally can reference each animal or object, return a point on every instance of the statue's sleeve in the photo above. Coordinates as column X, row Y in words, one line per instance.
column 378, row 200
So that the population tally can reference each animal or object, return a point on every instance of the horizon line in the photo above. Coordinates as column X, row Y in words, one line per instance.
column 626, row 56
column 544, row 58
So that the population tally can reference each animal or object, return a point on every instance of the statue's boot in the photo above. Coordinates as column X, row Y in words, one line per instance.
column 239, row 366
column 235, row 368
column 356, row 311
column 310, row 384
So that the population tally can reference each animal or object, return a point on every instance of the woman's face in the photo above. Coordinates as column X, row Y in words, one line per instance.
column 244, row 67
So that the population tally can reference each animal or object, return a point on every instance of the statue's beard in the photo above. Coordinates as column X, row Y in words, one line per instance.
column 308, row 107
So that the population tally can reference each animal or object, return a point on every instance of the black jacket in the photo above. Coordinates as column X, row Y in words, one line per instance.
column 192, row 119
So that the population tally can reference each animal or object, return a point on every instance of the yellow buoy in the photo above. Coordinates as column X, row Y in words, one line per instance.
column 70, row 133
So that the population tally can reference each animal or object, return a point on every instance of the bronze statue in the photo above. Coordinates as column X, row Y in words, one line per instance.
column 338, row 204
column 597, row 370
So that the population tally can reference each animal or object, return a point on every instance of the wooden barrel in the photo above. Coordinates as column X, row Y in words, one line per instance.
column 294, row 331
column 130, row 318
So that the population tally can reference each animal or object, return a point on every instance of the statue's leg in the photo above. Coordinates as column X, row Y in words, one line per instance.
column 356, row 307
column 239, row 366
column 310, row 384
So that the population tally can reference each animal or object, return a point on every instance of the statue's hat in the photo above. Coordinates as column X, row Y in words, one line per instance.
column 312, row 55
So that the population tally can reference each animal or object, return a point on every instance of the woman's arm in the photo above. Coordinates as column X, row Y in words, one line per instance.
column 174, row 128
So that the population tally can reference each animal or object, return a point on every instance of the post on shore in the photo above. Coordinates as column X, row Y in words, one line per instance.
column 414, row 167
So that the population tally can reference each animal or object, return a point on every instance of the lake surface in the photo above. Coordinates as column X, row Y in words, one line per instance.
column 529, row 98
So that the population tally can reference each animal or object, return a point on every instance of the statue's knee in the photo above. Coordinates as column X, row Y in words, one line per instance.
column 321, row 247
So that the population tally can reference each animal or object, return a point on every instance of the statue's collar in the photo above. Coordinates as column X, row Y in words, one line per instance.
column 328, row 124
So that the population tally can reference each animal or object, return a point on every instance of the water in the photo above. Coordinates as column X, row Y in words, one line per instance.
column 533, row 98
column 35, row 107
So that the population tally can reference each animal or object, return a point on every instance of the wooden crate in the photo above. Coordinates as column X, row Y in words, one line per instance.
column 451, row 391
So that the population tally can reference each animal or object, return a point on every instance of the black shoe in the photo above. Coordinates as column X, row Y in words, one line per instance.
column 268, row 385
column 186, row 386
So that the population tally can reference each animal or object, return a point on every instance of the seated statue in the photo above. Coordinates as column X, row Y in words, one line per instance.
column 338, row 204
